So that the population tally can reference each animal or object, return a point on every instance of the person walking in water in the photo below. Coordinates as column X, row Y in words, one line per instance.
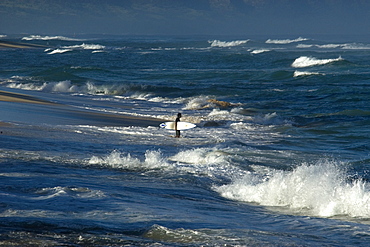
column 176, row 121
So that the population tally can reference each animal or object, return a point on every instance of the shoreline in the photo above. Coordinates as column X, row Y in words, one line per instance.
column 22, row 98
column 15, row 107
column 17, row 45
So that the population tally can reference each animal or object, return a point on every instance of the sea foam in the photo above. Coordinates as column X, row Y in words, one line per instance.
column 118, row 160
column 39, row 37
column 62, row 86
column 285, row 41
column 218, row 43
column 58, row 51
column 63, row 49
column 320, row 190
column 305, row 73
column 305, row 61
column 258, row 51
column 346, row 46
column 86, row 46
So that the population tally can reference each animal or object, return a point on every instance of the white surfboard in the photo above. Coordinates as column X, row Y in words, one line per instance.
column 180, row 125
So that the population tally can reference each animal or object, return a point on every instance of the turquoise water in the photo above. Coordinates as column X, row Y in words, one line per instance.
column 283, row 163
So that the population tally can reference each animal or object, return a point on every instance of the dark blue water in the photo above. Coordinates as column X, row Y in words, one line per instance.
column 280, row 155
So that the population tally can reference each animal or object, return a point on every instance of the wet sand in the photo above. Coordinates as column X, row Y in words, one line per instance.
column 22, row 108
column 21, row 98
column 9, row 44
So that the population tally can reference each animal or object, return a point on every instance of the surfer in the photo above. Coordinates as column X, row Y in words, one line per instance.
column 176, row 121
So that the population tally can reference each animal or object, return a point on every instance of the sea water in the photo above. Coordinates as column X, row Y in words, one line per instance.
column 279, row 157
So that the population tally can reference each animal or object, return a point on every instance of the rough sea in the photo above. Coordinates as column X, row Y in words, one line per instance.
column 279, row 157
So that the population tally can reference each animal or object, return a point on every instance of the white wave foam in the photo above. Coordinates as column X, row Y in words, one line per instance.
column 205, row 102
column 321, row 190
column 202, row 162
column 305, row 73
column 304, row 61
column 68, row 87
column 85, row 47
column 153, row 160
column 58, row 51
column 304, row 46
column 218, row 43
column 197, row 103
column 349, row 46
column 39, row 37
column 200, row 156
column 63, row 49
column 329, row 46
column 260, row 51
column 356, row 47
column 199, row 162
column 285, row 41
column 62, row 87
column 269, row 119
column 3, row 36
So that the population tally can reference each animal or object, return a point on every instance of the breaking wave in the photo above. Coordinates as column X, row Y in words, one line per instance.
column 258, row 51
column 117, row 160
column 85, row 47
column 198, row 162
column 321, row 190
column 305, row 61
column 68, row 87
column 39, row 37
column 63, row 49
column 62, row 86
column 57, row 51
column 305, row 73
column 285, row 41
column 349, row 46
column 218, row 43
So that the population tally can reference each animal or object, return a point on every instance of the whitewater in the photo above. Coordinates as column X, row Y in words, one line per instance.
column 279, row 157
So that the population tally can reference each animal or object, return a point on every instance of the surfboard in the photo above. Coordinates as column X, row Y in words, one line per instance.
column 180, row 125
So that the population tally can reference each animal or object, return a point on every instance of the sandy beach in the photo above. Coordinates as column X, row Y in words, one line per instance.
column 21, row 98
column 16, row 107
column 8, row 44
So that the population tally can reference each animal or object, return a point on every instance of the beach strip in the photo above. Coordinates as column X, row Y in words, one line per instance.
column 10, row 44
column 22, row 108
column 21, row 98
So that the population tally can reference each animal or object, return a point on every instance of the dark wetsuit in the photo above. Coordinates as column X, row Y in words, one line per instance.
column 176, row 121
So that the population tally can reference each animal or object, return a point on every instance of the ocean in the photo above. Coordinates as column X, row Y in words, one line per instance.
column 279, row 157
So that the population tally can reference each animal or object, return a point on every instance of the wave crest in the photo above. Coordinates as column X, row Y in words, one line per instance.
column 284, row 41
column 117, row 160
column 85, row 47
column 320, row 189
column 62, row 87
column 39, row 37
column 258, row 51
column 305, row 73
column 63, row 49
column 218, row 43
column 57, row 51
column 305, row 61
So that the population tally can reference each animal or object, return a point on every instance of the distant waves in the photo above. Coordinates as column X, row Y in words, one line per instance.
column 39, row 37
column 284, row 41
